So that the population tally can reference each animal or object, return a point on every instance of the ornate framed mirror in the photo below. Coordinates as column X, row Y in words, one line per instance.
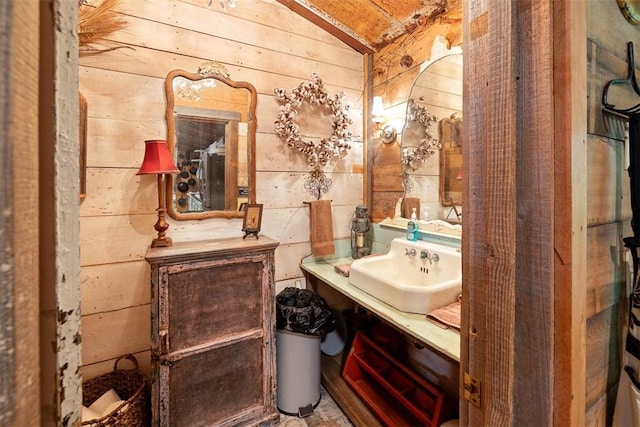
column 211, row 129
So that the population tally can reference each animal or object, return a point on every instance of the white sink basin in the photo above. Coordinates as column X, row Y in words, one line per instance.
column 404, row 280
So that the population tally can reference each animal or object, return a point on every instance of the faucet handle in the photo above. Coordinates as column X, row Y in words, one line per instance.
column 409, row 252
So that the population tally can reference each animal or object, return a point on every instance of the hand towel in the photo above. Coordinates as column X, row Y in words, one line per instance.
column 321, row 228
column 448, row 315
column 343, row 269
column 407, row 204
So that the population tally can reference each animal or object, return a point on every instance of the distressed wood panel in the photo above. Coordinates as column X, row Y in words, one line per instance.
column 288, row 259
column 385, row 205
column 607, row 267
column 175, row 24
column 286, row 189
column 604, row 342
column 596, row 415
column 607, row 181
column 106, row 92
column 120, row 238
column 386, row 178
column 111, row 334
column 93, row 370
column 116, row 191
column 21, row 320
column 119, row 143
column 114, row 286
column 265, row 12
column 417, row 45
column 154, row 63
column 273, row 154
column 292, row 225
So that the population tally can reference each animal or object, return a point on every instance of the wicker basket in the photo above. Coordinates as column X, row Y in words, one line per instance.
column 130, row 384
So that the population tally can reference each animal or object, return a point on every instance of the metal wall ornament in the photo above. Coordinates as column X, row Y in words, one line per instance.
column 317, row 154
column 414, row 157
column 213, row 69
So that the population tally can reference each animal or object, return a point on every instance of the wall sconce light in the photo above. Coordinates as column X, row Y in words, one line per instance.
column 387, row 133
column 158, row 161
column 377, row 110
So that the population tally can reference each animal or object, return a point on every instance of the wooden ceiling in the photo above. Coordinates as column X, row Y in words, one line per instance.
column 369, row 25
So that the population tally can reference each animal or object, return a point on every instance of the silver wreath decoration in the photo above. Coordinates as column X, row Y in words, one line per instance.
column 336, row 145
column 413, row 158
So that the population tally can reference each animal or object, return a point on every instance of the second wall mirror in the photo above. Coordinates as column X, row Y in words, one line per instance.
column 432, row 134
column 211, row 130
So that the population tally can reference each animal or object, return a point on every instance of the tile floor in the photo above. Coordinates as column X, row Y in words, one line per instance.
column 326, row 414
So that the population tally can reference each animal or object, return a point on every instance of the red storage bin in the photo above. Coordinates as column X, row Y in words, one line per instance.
column 394, row 393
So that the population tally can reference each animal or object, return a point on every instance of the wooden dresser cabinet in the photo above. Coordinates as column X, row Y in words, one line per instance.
column 213, row 333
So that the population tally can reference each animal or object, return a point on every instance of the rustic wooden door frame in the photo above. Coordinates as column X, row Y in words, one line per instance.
column 19, row 363
column 524, row 234
column 58, row 162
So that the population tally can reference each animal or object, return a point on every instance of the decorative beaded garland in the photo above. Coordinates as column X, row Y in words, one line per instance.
column 317, row 154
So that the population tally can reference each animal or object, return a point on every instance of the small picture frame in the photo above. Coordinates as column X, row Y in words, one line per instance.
column 252, row 220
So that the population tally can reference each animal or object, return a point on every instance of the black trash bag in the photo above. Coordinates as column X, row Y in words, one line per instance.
column 303, row 311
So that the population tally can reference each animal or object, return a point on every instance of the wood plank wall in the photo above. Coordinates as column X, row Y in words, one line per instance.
column 608, row 209
column 394, row 84
column 261, row 42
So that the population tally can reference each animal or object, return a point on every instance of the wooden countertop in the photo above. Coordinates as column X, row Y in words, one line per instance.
column 203, row 249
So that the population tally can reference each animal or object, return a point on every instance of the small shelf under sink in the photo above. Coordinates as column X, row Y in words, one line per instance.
column 393, row 392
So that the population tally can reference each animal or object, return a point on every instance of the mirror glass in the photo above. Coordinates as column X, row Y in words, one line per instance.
column 211, row 134
column 432, row 138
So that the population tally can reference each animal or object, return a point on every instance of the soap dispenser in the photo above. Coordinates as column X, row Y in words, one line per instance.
column 412, row 226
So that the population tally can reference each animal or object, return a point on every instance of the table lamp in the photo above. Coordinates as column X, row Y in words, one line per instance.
column 158, row 160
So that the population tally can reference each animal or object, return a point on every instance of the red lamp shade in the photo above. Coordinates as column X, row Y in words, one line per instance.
column 157, row 158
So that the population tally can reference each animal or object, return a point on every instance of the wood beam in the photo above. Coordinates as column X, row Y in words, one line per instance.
column 523, row 314
column 570, row 211
column 329, row 25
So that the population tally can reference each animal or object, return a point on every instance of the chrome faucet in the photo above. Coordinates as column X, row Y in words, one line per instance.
column 424, row 254
column 409, row 252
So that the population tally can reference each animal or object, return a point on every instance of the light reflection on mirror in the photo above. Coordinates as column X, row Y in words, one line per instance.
column 438, row 90
column 211, row 134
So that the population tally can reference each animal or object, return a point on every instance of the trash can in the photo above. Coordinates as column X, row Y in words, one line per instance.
column 302, row 317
